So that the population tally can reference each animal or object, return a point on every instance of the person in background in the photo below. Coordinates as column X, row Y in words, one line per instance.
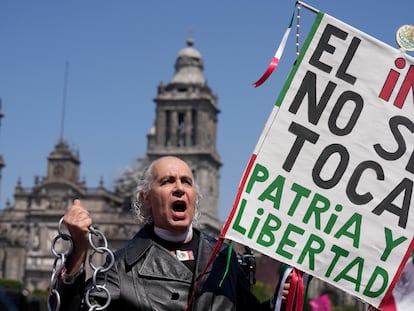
column 162, row 266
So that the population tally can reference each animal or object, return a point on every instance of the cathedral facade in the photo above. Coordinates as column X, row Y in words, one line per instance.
column 185, row 125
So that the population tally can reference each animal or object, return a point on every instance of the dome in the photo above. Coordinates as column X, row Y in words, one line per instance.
column 189, row 51
column 189, row 66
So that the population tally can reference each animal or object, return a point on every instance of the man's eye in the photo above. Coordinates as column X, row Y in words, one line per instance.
column 166, row 181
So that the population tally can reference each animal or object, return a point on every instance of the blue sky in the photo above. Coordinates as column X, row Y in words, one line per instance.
column 119, row 51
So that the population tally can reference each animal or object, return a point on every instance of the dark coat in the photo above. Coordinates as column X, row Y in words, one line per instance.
column 146, row 276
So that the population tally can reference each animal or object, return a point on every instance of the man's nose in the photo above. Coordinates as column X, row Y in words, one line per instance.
column 178, row 193
column 179, row 189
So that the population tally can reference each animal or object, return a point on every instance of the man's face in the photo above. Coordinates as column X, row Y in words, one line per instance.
column 172, row 195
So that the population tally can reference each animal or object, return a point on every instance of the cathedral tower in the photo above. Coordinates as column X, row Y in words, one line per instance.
column 186, row 126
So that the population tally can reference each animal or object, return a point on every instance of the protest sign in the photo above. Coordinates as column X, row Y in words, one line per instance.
column 329, row 186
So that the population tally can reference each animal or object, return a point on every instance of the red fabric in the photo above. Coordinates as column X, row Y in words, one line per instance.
column 268, row 72
column 300, row 292
column 389, row 305
column 296, row 292
column 292, row 291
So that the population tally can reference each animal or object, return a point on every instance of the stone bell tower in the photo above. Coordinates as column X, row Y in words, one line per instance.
column 186, row 126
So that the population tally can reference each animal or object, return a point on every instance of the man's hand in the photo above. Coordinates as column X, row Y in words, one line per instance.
column 77, row 220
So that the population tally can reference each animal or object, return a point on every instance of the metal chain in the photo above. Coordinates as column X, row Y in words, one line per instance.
column 58, row 266
column 99, row 272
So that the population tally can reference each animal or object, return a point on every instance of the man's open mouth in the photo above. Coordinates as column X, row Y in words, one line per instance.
column 179, row 207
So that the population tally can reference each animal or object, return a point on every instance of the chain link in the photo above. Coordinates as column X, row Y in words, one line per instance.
column 99, row 271
column 99, row 276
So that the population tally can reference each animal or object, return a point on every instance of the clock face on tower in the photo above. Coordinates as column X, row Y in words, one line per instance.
column 58, row 171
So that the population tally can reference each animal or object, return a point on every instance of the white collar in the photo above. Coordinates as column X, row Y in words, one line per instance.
column 168, row 236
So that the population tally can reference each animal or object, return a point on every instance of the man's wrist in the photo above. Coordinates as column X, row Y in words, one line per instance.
column 71, row 278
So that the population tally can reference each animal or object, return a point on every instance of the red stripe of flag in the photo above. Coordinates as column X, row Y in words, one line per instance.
column 275, row 60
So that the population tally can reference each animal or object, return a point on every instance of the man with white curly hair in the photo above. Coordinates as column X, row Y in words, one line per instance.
column 164, row 266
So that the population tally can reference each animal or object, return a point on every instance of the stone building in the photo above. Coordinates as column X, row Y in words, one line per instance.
column 185, row 125
column 29, row 226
